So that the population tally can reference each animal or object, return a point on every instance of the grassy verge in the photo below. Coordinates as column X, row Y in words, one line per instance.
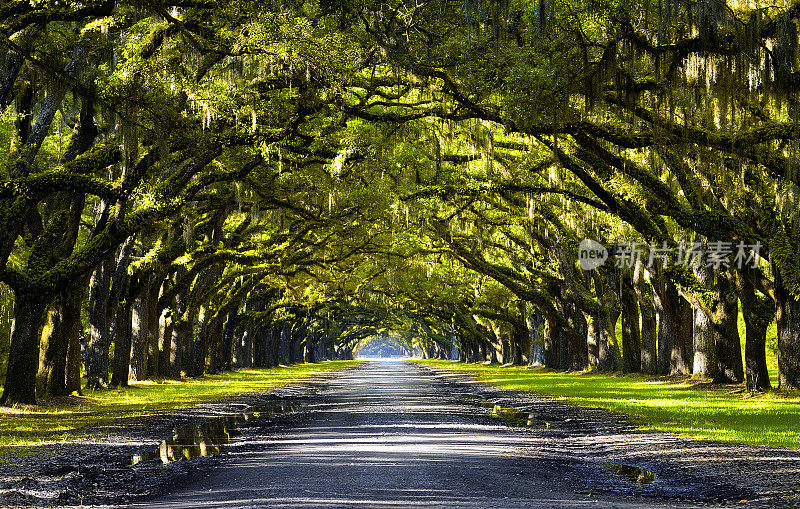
column 63, row 418
column 675, row 407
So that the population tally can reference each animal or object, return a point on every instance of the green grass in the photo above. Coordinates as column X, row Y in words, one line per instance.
column 680, row 407
column 64, row 418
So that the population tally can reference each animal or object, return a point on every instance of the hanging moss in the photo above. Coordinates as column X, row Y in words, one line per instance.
column 786, row 258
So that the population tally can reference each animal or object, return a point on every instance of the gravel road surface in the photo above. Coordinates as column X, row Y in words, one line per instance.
column 396, row 434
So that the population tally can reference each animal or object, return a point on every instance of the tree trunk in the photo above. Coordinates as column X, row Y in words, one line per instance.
column 283, row 345
column 245, row 359
column 100, row 330
column 788, row 321
column 179, row 334
column 139, row 315
column 644, row 296
column 197, row 356
column 521, row 340
column 165, row 327
column 705, row 355
column 683, row 351
column 631, row 337
column 505, row 347
column 533, row 319
column 608, row 353
column 153, row 326
column 727, row 343
column 180, row 331
column 575, row 347
column 705, row 363
column 122, row 346
column 61, row 329
column 758, row 312
column 229, row 338
column 74, row 359
column 23, row 358
column 214, row 345
column 552, row 340
column 674, row 337
column 319, row 355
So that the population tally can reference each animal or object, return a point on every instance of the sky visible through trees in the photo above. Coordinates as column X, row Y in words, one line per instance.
column 193, row 186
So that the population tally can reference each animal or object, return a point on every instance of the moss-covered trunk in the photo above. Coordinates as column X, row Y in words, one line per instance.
column 608, row 353
column 788, row 321
column 179, row 333
column 674, row 328
column 758, row 312
column 100, row 330
column 243, row 357
column 705, row 356
column 196, row 363
column 62, row 326
column 728, row 347
column 153, row 327
column 122, row 346
column 647, row 310
column 166, row 324
column 552, row 340
column 139, row 316
column 75, row 361
column 533, row 320
column 229, row 338
column 23, row 359
column 631, row 333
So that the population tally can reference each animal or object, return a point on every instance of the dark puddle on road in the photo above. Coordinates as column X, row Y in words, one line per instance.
column 516, row 416
column 510, row 415
column 633, row 474
column 209, row 437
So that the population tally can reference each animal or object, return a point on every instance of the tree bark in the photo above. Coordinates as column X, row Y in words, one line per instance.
column 229, row 338
column 74, row 359
column 122, row 346
column 727, row 343
column 153, row 326
column 705, row 355
column 139, row 315
column 534, row 321
column 283, row 345
column 552, row 341
column 758, row 312
column 788, row 322
column 23, row 359
column 100, row 330
column 197, row 353
column 644, row 295
column 180, row 331
column 61, row 329
column 608, row 353
column 165, row 328
column 674, row 327
column 631, row 337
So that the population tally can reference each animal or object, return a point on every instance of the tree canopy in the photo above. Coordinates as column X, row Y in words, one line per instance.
column 191, row 186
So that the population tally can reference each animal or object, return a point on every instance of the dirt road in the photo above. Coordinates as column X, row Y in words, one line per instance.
column 393, row 434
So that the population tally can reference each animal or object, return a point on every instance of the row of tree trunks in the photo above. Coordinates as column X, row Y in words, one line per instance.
column 662, row 331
